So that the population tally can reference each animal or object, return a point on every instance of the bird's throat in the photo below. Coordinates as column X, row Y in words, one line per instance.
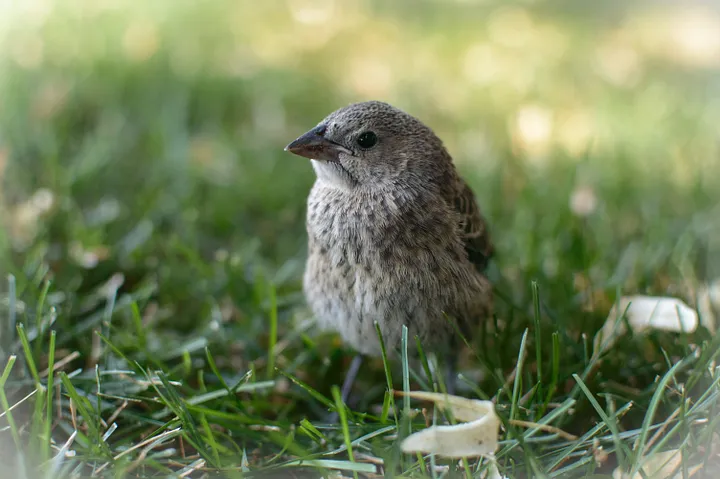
column 333, row 174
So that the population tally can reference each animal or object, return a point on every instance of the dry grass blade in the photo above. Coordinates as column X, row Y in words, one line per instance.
column 544, row 427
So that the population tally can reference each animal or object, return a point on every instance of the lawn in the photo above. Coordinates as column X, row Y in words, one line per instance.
column 153, row 323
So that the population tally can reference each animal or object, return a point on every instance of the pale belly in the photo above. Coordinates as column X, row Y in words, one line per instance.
column 350, row 300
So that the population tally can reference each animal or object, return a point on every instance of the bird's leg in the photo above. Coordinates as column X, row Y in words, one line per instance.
column 350, row 376
column 451, row 361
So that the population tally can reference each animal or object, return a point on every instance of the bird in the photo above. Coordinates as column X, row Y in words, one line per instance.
column 395, row 235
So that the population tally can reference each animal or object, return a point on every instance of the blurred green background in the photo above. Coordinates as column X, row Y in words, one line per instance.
column 141, row 153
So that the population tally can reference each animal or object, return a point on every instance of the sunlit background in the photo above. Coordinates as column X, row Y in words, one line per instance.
column 121, row 120
column 123, row 123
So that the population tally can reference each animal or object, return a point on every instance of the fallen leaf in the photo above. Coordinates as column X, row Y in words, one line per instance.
column 708, row 304
column 660, row 465
column 477, row 436
column 493, row 473
column 644, row 312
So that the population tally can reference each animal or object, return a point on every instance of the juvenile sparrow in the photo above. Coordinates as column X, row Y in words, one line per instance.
column 394, row 234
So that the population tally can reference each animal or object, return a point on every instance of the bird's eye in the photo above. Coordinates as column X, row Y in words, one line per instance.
column 367, row 139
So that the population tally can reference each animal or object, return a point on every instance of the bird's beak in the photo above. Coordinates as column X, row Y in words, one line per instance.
column 315, row 146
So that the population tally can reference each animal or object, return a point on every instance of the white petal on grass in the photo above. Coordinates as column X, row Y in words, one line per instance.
column 708, row 304
column 662, row 464
column 643, row 312
column 478, row 436
column 493, row 472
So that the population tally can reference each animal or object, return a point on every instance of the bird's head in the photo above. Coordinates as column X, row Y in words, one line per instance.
column 373, row 144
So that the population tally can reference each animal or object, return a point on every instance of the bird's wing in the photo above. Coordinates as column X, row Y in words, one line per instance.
column 475, row 231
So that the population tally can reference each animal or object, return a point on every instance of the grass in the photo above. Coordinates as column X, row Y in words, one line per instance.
column 152, row 316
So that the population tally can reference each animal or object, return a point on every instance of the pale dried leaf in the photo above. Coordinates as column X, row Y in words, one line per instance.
column 476, row 437
column 660, row 465
column 643, row 312
column 493, row 472
column 708, row 304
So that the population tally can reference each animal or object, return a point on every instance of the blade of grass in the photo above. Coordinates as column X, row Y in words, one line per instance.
column 555, row 377
column 6, row 405
column 310, row 390
column 657, row 397
column 49, row 398
column 176, row 404
column 216, row 371
column 344, row 424
column 518, row 375
column 37, row 426
column 139, row 328
column 388, row 373
column 358, row 441
column 84, row 409
column 558, row 412
column 272, row 340
column 532, row 465
column 113, row 286
column 352, row 466
column 28, row 355
column 406, row 376
column 57, row 460
column 314, row 433
column 685, row 431
column 387, row 398
column 39, row 314
column 211, row 442
column 621, row 449
column 12, row 311
column 595, row 359
column 20, row 401
column 289, row 440
column 538, row 335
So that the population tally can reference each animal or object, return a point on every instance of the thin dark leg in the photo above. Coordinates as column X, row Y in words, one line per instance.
column 451, row 361
column 350, row 376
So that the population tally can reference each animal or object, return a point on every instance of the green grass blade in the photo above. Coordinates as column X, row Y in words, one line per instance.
column 622, row 450
column 352, row 466
column 29, row 360
column 657, row 397
column 85, row 410
column 12, row 302
column 344, row 424
column 215, row 370
column 6, row 405
column 49, row 398
column 310, row 390
column 211, row 442
column 406, row 374
column 39, row 314
column 388, row 373
column 272, row 340
column 538, row 336
column 138, row 324
column 518, row 378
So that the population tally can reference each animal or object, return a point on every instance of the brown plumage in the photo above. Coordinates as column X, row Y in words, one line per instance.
column 394, row 234
column 475, row 233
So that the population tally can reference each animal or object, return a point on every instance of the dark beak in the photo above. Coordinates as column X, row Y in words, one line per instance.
column 315, row 146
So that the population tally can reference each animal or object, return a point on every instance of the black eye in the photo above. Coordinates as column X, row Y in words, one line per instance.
column 367, row 139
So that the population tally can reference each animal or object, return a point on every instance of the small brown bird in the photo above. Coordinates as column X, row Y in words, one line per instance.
column 394, row 234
